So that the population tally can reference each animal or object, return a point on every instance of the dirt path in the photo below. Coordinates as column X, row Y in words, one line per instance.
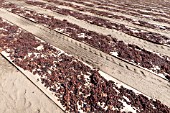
column 19, row 95
column 164, row 50
column 122, row 14
column 135, row 77
column 162, row 32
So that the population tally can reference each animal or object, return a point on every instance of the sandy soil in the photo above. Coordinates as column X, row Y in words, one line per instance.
column 29, row 99
column 119, row 13
column 135, row 77
column 164, row 50
column 19, row 95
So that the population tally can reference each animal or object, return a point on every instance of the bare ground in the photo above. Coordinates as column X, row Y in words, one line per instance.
column 19, row 95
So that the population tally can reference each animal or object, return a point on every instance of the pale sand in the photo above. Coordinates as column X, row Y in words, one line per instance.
column 137, row 78
column 164, row 50
column 19, row 95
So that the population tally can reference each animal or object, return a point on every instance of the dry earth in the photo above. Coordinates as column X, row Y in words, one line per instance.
column 19, row 95
column 29, row 99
